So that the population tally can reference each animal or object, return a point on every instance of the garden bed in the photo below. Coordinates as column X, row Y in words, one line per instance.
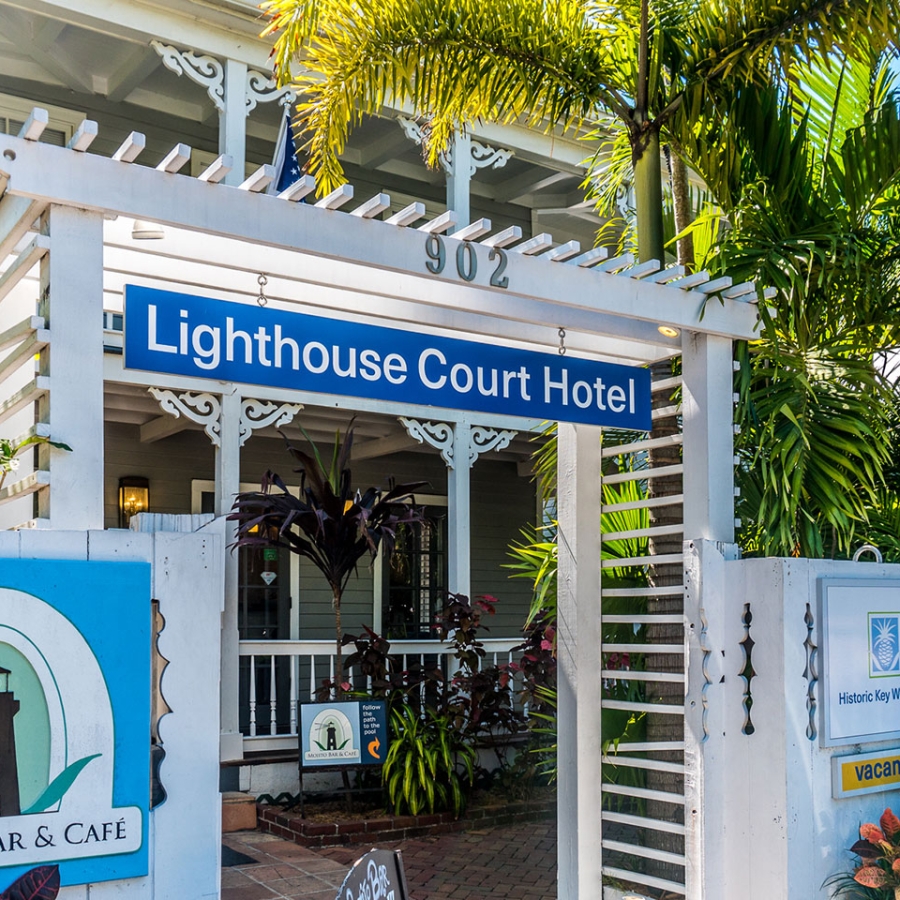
column 329, row 827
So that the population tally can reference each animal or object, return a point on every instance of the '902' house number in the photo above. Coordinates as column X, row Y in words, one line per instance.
column 466, row 260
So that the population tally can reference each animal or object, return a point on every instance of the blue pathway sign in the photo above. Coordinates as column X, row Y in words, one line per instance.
column 181, row 334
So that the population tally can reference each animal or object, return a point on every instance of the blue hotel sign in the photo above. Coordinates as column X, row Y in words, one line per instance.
column 182, row 334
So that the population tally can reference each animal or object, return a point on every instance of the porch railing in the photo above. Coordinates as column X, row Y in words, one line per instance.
column 277, row 676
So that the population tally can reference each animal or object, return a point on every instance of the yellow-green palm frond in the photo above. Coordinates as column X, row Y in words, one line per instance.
column 456, row 61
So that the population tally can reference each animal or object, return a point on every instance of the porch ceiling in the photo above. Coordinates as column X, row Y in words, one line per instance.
column 102, row 65
column 376, row 434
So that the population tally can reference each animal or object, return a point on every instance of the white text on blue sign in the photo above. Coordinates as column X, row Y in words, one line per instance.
column 201, row 337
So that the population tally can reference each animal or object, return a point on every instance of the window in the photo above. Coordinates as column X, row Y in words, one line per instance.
column 63, row 122
column 415, row 578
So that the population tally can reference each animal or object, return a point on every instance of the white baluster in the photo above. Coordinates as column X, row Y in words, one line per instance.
column 295, row 670
column 252, row 696
column 331, row 676
column 273, row 727
column 422, row 684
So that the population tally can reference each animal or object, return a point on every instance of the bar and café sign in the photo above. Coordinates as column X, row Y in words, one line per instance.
column 182, row 334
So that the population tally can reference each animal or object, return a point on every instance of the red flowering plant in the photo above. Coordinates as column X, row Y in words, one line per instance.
column 877, row 877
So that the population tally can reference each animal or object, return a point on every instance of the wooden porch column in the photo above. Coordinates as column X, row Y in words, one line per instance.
column 459, row 178
column 233, row 120
column 72, row 305
column 578, row 652
column 459, row 501
column 228, row 483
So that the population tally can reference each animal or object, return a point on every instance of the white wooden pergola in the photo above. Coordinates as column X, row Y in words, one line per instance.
column 70, row 213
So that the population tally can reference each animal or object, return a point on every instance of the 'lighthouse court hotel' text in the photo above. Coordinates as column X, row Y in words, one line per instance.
column 189, row 335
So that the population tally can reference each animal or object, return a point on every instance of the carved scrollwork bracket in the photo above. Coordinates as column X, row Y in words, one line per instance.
column 484, row 440
column 481, row 156
column 203, row 408
column 439, row 435
column 204, row 70
column 262, row 88
column 256, row 414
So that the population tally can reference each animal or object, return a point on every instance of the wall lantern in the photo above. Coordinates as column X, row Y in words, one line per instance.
column 134, row 498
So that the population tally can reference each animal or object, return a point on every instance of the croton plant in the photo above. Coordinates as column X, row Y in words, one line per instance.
column 878, row 872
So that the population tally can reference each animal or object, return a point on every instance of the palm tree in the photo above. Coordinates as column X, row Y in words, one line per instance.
column 329, row 523
column 652, row 71
column 655, row 67
column 812, row 209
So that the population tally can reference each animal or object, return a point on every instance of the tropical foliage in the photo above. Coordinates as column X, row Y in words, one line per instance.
column 811, row 204
column 787, row 113
column 429, row 765
column 877, row 876
column 330, row 523
column 11, row 450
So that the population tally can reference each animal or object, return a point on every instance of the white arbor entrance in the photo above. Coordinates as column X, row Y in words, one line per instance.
column 65, row 214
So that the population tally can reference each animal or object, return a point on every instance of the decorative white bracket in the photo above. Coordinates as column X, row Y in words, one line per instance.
column 443, row 437
column 436, row 434
column 482, row 156
column 483, row 440
column 210, row 73
column 256, row 414
column 262, row 88
column 203, row 408
column 204, row 70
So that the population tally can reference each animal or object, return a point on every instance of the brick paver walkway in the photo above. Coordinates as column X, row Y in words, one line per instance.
column 505, row 861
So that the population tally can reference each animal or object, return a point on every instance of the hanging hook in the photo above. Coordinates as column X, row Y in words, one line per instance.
column 868, row 548
column 262, row 299
column 562, row 341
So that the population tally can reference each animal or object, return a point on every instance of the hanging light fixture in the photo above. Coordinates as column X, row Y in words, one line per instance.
column 134, row 498
column 668, row 331
column 143, row 230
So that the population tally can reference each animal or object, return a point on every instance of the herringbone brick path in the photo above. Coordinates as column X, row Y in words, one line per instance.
column 505, row 861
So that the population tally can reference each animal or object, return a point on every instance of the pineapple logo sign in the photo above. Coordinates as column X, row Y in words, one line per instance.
column 74, row 713
column 884, row 640
column 860, row 645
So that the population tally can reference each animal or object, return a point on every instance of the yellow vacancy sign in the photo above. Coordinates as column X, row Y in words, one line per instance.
column 865, row 773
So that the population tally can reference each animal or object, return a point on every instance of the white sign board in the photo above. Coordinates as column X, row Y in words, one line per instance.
column 861, row 652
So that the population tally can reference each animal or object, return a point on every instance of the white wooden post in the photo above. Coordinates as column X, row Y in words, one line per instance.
column 459, row 177
column 578, row 649
column 708, row 417
column 233, row 120
column 459, row 537
column 228, row 483
column 72, row 304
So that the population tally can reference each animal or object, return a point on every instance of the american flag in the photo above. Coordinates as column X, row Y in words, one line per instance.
column 287, row 167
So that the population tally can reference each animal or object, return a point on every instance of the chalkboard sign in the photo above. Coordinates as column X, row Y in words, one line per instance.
column 376, row 876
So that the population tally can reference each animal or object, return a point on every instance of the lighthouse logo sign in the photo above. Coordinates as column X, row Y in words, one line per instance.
column 74, row 716
column 343, row 733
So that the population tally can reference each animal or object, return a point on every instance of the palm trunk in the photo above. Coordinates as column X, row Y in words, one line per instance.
column 681, row 199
